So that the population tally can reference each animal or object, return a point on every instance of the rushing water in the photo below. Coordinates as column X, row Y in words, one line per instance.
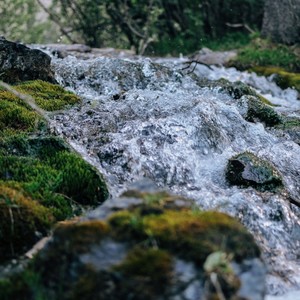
column 140, row 119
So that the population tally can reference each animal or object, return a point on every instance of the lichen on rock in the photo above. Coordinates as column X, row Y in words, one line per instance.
column 246, row 169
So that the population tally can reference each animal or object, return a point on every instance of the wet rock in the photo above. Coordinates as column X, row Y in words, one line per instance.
column 290, row 128
column 258, row 111
column 234, row 89
column 20, row 63
column 246, row 169
column 157, row 247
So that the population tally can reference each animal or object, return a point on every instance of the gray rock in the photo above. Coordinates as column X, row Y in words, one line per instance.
column 20, row 63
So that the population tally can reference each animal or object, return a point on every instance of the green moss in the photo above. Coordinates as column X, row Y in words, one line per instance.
column 282, row 78
column 262, row 52
column 80, row 235
column 190, row 235
column 20, row 219
column 36, row 147
column 47, row 170
column 149, row 270
column 16, row 117
column 289, row 123
column 47, row 95
column 62, row 187
column 79, row 180
column 258, row 110
column 23, row 286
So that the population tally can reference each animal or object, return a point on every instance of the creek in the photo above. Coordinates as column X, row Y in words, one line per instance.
column 143, row 118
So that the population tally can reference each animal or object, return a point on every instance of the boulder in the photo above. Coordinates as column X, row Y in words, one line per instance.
column 147, row 244
column 20, row 63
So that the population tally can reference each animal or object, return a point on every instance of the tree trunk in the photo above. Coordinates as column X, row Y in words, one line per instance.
column 281, row 21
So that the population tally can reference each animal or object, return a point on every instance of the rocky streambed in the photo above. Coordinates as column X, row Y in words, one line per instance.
column 144, row 119
column 229, row 152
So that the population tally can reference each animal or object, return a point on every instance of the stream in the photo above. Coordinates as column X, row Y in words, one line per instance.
column 143, row 118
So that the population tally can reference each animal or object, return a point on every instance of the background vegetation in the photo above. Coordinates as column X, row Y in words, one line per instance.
column 151, row 27
column 154, row 26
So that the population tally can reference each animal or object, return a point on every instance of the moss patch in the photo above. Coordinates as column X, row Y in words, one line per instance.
column 262, row 52
column 48, row 172
column 20, row 219
column 282, row 78
column 55, row 181
column 16, row 116
column 48, row 96
column 259, row 111
column 191, row 235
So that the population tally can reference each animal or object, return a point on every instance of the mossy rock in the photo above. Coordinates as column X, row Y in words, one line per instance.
column 290, row 126
column 16, row 116
column 234, row 89
column 50, row 178
column 59, row 181
column 258, row 110
column 49, row 172
column 247, row 170
column 22, row 222
column 258, row 107
column 281, row 77
column 141, row 252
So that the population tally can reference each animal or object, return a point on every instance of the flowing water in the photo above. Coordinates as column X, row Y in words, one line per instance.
column 143, row 119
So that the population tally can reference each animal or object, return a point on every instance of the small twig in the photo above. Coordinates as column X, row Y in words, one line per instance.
column 55, row 19
column 196, row 62
column 240, row 25
column 217, row 286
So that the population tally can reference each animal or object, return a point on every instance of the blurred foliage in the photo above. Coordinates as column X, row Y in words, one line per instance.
column 155, row 26
column 148, row 26
column 19, row 21
column 262, row 52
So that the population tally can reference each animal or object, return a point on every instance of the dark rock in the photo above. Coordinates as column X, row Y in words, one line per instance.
column 234, row 89
column 20, row 63
column 246, row 169
column 150, row 248
column 259, row 111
